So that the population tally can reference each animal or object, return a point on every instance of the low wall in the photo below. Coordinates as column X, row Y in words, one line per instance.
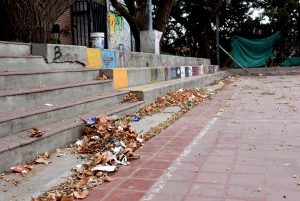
column 109, row 59
column 267, row 71
column 129, row 77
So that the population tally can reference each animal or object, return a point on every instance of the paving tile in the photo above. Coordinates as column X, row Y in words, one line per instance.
column 136, row 184
column 147, row 174
column 97, row 194
column 209, row 177
column 216, row 167
column 176, row 188
column 124, row 195
column 248, row 179
column 165, row 197
column 156, row 164
column 247, row 193
column 200, row 198
column 186, row 176
column 207, row 189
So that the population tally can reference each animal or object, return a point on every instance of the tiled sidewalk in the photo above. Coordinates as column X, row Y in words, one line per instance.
column 248, row 151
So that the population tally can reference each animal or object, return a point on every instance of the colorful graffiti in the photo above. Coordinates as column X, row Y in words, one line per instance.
column 119, row 32
column 108, row 59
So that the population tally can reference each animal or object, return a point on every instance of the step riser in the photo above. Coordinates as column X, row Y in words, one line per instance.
column 28, row 152
column 25, row 123
column 22, row 64
column 48, row 79
column 40, row 98
column 7, row 49
column 151, row 95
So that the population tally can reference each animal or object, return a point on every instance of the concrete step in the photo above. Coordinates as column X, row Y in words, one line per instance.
column 26, row 79
column 12, row 99
column 150, row 92
column 26, row 118
column 14, row 49
column 22, row 63
column 20, row 148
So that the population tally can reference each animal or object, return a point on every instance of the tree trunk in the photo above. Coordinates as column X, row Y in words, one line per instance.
column 162, row 15
column 32, row 20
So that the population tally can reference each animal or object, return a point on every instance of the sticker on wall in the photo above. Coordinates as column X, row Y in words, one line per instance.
column 108, row 59
column 201, row 70
column 186, row 70
column 190, row 71
column 182, row 69
column 178, row 72
column 210, row 69
column 173, row 73
column 195, row 70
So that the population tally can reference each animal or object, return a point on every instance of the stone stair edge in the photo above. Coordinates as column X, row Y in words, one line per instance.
column 31, row 111
column 33, row 72
column 14, row 43
column 14, row 92
column 167, row 82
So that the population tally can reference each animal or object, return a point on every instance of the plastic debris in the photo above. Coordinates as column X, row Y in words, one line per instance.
column 21, row 169
column 79, row 142
column 90, row 120
column 95, row 137
column 107, row 168
column 136, row 118
column 48, row 104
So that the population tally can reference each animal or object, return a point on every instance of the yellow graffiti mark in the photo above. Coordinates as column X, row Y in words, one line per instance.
column 93, row 57
column 120, row 78
column 112, row 21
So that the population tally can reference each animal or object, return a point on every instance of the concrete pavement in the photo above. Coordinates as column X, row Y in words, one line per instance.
column 243, row 145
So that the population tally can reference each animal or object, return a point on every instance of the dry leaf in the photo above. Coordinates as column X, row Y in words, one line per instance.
column 36, row 132
column 80, row 195
column 42, row 160
column 83, row 181
column 103, row 120
column 107, row 179
column 66, row 198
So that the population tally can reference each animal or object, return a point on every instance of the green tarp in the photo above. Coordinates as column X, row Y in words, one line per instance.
column 291, row 61
column 253, row 53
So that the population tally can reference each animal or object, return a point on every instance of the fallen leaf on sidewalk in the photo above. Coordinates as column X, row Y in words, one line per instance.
column 107, row 179
column 42, row 161
column 36, row 132
column 81, row 195
column 66, row 198
column 83, row 181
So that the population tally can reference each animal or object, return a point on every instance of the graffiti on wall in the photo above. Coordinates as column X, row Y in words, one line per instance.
column 119, row 32
column 108, row 59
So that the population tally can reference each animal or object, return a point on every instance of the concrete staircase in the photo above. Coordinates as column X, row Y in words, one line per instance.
column 53, row 98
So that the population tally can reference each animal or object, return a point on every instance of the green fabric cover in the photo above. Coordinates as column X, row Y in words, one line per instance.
column 291, row 61
column 253, row 53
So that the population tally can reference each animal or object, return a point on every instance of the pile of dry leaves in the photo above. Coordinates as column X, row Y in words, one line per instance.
column 107, row 144
column 131, row 97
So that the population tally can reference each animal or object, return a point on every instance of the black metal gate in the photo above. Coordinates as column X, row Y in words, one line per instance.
column 88, row 16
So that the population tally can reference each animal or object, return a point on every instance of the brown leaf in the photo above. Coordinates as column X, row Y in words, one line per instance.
column 66, row 198
column 99, row 174
column 83, row 181
column 42, row 160
column 80, row 195
column 103, row 120
column 36, row 132
column 107, row 179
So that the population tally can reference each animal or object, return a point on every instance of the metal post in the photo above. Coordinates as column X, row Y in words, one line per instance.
column 217, row 39
column 107, row 24
column 149, row 15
